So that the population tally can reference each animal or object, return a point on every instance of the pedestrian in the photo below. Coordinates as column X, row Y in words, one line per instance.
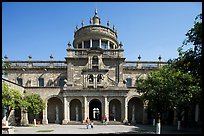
column 105, row 120
column 91, row 124
column 87, row 122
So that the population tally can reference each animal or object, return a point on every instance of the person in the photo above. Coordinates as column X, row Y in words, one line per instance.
column 105, row 120
column 87, row 122
column 91, row 124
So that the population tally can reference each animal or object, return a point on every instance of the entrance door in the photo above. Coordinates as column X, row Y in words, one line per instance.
column 95, row 112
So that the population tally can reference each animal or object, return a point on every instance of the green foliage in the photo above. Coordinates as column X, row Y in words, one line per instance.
column 190, row 60
column 11, row 98
column 167, row 88
column 5, row 65
column 36, row 104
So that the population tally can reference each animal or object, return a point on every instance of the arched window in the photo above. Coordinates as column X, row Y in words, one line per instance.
column 104, row 44
column 19, row 81
column 129, row 82
column 95, row 62
column 41, row 82
column 99, row 78
column 61, row 81
column 95, row 43
column 90, row 78
column 87, row 44
column 28, row 83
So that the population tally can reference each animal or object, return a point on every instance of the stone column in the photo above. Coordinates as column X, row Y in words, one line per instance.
column 69, row 74
column 45, row 120
column 65, row 121
column 106, row 107
column 108, row 44
column 82, row 44
column 95, row 80
column 90, row 43
column 86, row 108
column 100, row 43
column 126, row 111
column 68, row 111
column 84, row 81
column 120, row 74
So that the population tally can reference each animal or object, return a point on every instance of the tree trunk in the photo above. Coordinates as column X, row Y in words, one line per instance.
column 158, row 127
column 34, row 120
column 179, row 121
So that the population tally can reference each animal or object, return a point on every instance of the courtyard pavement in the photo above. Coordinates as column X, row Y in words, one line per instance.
column 101, row 129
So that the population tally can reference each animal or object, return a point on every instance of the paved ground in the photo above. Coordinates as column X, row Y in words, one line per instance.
column 100, row 129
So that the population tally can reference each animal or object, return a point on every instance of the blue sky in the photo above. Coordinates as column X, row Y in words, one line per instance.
column 146, row 28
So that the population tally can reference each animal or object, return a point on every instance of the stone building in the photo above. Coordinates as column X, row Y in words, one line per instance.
column 94, row 80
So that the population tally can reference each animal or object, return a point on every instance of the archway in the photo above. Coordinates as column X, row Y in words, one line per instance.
column 95, row 111
column 75, row 110
column 55, row 110
column 135, row 110
column 115, row 110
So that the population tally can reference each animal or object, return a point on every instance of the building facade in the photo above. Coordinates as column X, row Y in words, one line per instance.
column 93, row 81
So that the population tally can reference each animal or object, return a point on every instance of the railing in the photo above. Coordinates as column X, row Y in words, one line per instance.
column 107, row 53
column 144, row 64
column 31, row 63
column 62, row 64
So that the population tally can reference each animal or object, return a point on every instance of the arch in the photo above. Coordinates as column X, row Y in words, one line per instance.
column 99, row 78
column 115, row 110
column 95, row 109
column 51, row 96
column 75, row 110
column 135, row 110
column 55, row 110
column 90, row 78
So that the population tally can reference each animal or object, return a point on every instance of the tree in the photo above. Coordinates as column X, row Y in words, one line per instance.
column 167, row 88
column 5, row 65
column 189, row 61
column 12, row 99
column 36, row 104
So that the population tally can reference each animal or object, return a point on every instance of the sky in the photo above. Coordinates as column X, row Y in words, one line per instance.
column 148, row 29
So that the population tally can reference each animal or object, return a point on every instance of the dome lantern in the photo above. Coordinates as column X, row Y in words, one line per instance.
column 96, row 19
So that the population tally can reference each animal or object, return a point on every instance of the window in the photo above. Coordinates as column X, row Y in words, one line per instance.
column 95, row 60
column 28, row 83
column 50, row 82
column 41, row 82
column 19, row 81
column 90, row 78
column 95, row 43
column 86, row 44
column 111, row 45
column 129, row 82
column 99, row 78
column 104, row 44
column 61, row 81
column 80, row 45
column 95, row 63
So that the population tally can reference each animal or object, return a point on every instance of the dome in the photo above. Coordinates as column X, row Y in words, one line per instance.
column 95, row 35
